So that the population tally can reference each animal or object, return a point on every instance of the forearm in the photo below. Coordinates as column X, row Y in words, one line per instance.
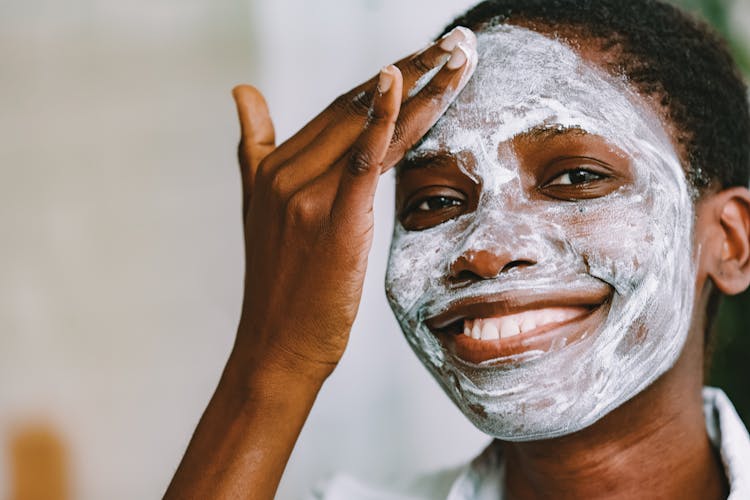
column 246, row 435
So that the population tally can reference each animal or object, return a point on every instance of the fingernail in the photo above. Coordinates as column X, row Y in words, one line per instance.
column 457, row 35
column 459, row 56
column 385, row 80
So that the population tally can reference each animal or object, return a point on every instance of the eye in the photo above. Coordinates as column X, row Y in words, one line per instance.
column 575, row 177
column 432, row 206
column 437, row 203
column 575, row 180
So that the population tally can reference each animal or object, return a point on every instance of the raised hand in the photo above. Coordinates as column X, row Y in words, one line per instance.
column 308, row 220
column 308, row 204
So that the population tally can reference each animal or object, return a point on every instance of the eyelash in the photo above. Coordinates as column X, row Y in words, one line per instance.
column 597, row 177
column 447, row 203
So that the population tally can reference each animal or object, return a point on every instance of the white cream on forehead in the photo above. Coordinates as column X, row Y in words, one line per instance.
column 638, row 240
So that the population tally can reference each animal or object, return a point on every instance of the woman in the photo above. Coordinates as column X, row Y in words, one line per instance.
column 571, row 203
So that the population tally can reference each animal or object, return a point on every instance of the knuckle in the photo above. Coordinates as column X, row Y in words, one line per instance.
column 302, row 208
column 400, row 133
column 360, row 161
column 419, row 64
column 354, row 105
column 376, row 116
column 379, row 116
column 432, row 90
column 278, row 183
column 339, row 104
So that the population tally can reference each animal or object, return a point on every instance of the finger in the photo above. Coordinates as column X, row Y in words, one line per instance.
column 257, row 137
column 360, row 176
column 418, row 69
column 336, row 139
column 419, row 114
column 353, row 106
column 321, row 154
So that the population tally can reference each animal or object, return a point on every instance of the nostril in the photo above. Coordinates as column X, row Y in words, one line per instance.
column 516, row 263
column 467, row 277
column 475, row 266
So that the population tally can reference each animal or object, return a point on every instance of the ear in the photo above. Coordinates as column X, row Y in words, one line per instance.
column 723, row 235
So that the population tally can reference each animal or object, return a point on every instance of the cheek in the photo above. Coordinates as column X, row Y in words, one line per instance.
column 624, row 237
column 417, row 263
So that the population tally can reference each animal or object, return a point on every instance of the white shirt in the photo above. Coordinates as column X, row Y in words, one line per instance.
column 484, row 477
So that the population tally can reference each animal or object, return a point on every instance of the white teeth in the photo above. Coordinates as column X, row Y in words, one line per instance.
column 490, row 331
column 476, row 331
column 509, row 327
column 547, row 316
column 528, row 324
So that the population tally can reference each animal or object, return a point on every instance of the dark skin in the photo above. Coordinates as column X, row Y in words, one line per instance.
column 310, row 200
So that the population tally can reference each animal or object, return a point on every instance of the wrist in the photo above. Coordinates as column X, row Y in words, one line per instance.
column 269, row 379
column 256, row 357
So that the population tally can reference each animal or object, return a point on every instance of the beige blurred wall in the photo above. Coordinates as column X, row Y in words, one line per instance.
column 121, row 257
column 120, row 253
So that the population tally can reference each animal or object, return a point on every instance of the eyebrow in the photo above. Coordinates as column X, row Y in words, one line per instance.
column 413, row 160
column 546, row 132
column 430, row 159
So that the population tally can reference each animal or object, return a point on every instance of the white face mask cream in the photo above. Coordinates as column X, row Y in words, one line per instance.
column 591, row 295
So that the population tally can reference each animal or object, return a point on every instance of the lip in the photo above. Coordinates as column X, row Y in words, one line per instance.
column 448, row 325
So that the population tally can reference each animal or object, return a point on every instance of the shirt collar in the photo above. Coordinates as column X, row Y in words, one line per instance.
column 729, row 435
column 483, row 478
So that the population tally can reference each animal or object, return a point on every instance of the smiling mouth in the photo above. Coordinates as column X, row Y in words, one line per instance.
column 528, row 323
column 495, row 329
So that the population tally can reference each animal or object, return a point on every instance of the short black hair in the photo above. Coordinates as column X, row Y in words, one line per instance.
column 665, row 53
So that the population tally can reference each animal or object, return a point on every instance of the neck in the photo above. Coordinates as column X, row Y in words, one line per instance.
column 653, row 446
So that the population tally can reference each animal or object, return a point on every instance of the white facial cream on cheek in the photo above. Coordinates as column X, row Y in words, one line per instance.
column 637, row 240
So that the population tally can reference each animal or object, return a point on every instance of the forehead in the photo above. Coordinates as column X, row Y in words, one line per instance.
column 525, row 80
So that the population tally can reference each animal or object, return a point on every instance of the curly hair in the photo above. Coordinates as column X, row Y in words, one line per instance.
column 666, row 54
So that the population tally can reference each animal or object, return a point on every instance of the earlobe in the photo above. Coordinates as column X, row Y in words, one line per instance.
column 726, row 243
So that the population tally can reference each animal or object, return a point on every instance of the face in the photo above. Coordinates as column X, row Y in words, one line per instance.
column 541, row 264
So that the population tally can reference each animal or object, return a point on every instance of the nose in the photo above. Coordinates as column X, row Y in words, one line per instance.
column 477, row 265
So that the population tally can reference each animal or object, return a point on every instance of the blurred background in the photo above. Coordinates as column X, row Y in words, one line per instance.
column 121, row 255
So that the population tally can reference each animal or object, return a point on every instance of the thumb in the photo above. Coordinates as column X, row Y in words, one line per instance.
column 257, row 139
